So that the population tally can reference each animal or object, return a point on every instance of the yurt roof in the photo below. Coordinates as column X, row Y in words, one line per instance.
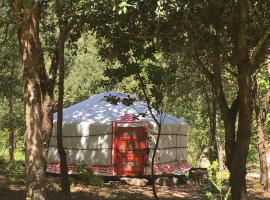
column 97, row 110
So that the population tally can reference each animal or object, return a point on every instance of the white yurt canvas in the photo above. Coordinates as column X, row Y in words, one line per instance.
column 91, row 136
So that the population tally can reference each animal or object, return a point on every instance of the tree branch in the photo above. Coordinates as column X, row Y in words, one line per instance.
column 210, row 76
column 259, row 46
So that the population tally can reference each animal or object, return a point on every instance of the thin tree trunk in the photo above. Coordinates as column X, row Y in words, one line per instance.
column 153, row 162
column 262, row 153
column 159, row 125
column 11, row 117
column 28, row 14
column 216, row 150
column 61, row 150
column 48, row 100
column 220, row 156
column 218, row 153
column 62, row 154
column 217, row 145
column 47, row 121
column 214, row 125
column 210, row 112
column 261, row 113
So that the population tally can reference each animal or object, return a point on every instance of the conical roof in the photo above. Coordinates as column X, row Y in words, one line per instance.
column 97, row 110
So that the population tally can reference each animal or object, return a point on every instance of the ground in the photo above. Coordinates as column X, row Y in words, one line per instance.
column 112, row 191
column 13, row 188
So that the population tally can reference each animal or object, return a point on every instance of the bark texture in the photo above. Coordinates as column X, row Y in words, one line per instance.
column 262, row 150
column 261, row 110
column 11, row 139
column 240, row 151
column 62, row 154
column 28, row 14
column 216, row 150
column 47, row 89
column 214, row 137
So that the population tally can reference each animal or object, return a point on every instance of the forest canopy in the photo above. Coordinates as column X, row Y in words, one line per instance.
column 207, row 62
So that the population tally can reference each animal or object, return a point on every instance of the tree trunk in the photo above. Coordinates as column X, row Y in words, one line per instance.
column 220, row 156
column 216, row 150
column 153, row 162
column 48, row 100
column 215, row 138
column 262, row 154
column 261, row 113
column 159, row 125
column 47, row 120
column 211, row 111
column 238, row 172
column 61, row 150
column 34, row 141
column 244, row 66
column 11, row 117
column 214, row 125
column 28, row 34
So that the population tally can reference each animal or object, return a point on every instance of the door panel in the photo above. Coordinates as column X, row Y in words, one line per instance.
column 130, row 150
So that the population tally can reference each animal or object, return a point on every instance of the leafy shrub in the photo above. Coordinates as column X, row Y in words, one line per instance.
column 252, row 159
column 218, row 189
column 17, row 168
column 90, row 178
column 87, row 176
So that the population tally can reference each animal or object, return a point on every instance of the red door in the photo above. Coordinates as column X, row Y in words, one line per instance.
column 130, row 150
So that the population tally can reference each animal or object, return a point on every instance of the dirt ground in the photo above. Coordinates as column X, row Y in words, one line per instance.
column 11, row 190
column 12, row 187
column 112, row 191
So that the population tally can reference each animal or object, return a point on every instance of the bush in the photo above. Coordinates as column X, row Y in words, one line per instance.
column 218, row 189
column 87, row 176
column 90, row 178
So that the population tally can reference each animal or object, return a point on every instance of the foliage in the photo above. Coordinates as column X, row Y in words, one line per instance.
column 217, row 180
column 88, row 177
column 4, row 131
column 161, row 41
column 9, row 61
column 253, row 156
column 15, row 170
column 84, row 76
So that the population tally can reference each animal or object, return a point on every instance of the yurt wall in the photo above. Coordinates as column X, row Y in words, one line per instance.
column 84, row 142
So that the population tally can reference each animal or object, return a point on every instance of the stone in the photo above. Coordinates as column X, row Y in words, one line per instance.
column 167, row 181
column 135, row 181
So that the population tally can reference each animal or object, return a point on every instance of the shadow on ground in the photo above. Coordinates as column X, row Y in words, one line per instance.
column 106, row 192
column 12, row 187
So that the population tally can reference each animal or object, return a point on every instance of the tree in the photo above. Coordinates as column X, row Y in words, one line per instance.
column 9, row 71
column 261, row 104
column 237, row 143
column 27, row 20
column 61, row 53
column 221, row 37
column 84, row 71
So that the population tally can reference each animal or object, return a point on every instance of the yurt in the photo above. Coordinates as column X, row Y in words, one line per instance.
column 108, row 139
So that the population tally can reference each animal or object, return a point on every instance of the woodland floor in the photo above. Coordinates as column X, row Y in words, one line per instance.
column 12, row 188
